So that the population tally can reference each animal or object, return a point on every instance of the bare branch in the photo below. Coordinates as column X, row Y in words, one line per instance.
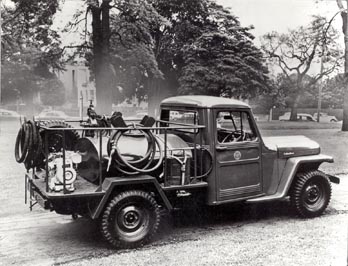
column 340, row 4
column 310, row 59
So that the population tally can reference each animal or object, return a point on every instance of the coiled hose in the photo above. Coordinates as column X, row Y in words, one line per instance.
column 28, row 147
column 144, row 164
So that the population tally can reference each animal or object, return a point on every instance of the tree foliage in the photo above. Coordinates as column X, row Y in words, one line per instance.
column 132, row 46
column 30, row 48
column 297, row 51
column 218, row 64
column 333, row 89
column 207, row 51
column 158, row 45
column 148, row 46
column 26, row 30
column 121, row 54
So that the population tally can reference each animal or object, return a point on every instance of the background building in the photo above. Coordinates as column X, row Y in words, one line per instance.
column 76, row 80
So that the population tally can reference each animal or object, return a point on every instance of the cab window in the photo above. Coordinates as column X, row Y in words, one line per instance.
column 234, row 126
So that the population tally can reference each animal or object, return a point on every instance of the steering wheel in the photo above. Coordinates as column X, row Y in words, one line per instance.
column 235, row 136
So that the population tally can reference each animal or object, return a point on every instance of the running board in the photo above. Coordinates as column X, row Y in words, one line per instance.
column 276, row 196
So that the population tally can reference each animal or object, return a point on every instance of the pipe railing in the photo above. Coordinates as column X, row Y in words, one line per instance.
column 177, row 126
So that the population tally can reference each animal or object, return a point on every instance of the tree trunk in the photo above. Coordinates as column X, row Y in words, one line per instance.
column 345, row 99
column 157, row 91
column 103, row 75
column 152, row 88
column 294, row 107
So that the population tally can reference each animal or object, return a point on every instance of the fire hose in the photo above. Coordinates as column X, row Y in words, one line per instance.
column 28, row 147
column 141, row 164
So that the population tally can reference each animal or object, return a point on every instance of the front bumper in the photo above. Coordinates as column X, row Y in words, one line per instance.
column 333, row 179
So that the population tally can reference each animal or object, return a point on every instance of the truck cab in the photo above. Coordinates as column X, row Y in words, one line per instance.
column 245, row 165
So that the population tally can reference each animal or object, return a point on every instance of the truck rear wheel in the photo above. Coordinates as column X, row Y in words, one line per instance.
column 311, row 193
column 130, row 219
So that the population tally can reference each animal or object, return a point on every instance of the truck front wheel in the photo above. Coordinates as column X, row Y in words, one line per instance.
column 311, row 193
column 130, row 219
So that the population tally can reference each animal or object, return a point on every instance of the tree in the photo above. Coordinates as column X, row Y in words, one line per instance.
column 289, row 91
column 26, row 30
column 193, row 24
column 148, row 47
column 344, row 15
column 274, row 96
column 297, row 51
column 333, row 89
column 149, row 41
column 221, row 65
column 121, row 47
column 132, row 46
column 30, row 48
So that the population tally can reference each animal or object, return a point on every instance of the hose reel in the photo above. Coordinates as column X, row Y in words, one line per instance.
column 30, row 141
column 128, row 163
column 28, row 147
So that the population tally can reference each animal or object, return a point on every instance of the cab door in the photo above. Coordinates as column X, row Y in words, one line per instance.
column 238, row 156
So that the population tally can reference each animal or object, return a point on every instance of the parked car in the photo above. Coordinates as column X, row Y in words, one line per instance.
column 140, row 115
column 325, row 118
column 300, row 117
column 8, row 114
column 306, row 117
column 137, row 117
column 52, row 115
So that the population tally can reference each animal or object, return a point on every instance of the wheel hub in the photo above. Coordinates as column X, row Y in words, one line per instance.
column 313, row 194
column 130, row 218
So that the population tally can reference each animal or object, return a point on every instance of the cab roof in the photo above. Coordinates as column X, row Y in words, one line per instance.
column 203, row 101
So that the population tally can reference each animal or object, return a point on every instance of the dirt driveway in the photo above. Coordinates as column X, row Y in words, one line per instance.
column 263, row 234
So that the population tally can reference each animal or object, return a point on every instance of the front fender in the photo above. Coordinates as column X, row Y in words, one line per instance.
column 292, row 166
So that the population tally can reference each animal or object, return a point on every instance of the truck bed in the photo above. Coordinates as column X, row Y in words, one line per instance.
column 82, row 187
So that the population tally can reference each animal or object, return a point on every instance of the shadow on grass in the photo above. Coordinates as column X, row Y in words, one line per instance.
column 83, row 234
column 190, row 222
column 231, row 213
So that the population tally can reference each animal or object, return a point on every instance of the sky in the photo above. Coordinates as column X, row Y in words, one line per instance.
column 265, row 15
column 280, row 15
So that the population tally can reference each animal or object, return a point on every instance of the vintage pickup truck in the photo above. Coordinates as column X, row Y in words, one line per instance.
column 125, row 174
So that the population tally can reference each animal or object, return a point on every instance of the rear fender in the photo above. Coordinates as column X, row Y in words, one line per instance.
column 110, row 185
column 297, row 164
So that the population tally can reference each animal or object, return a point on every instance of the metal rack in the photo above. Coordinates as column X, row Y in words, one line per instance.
column 165, row 130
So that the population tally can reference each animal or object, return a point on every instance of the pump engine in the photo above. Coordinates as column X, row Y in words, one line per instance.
column 56, row 167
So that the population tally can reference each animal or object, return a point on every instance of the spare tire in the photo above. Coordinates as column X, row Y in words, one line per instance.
column 55, row 137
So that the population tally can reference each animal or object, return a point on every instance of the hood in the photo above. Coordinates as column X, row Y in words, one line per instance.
column 292, row 146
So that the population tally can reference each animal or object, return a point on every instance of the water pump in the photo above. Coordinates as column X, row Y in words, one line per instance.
column 56, row 171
